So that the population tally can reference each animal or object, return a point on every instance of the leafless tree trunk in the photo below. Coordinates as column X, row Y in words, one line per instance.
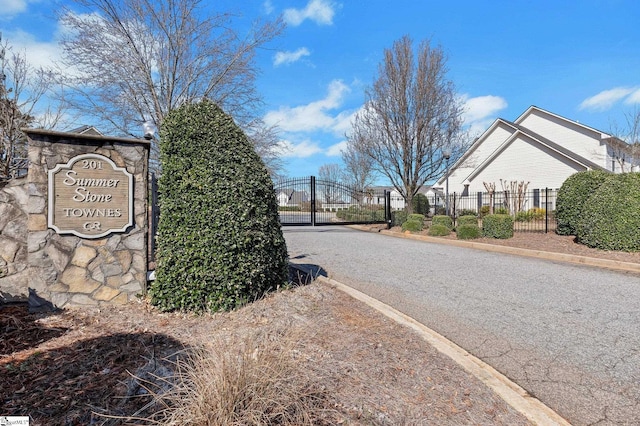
column 21, row 89
column 411, row 117
column 514, row 194
column 358, row 168
column 491, row 190
column 127, row 62
column 329, row 175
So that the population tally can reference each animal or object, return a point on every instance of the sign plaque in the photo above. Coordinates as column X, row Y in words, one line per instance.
column 90, row 197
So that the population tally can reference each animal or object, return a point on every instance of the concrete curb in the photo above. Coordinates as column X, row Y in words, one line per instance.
column 518, row 398
column 539, row 254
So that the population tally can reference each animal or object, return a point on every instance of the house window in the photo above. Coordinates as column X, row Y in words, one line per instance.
column 465, row 191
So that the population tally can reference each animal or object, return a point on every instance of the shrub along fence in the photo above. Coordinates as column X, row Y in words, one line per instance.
column 532, row 211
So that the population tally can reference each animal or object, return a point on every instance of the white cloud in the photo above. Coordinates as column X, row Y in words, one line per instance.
column 319, row 11
column 336, row 150
column 633, row 98
column 13, row 7
column 482, row 108
column 37, row 53
column 605, row 99
column 302, row 149
column 268, row 7
column 313, row 116
column 480, row 112
column 290, row 57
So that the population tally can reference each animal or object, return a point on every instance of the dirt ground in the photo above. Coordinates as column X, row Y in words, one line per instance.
column 75, row 366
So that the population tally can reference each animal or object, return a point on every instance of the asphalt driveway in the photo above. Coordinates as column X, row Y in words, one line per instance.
column 569, row 335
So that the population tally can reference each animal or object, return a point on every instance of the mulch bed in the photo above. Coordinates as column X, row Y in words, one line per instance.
column 70, row 382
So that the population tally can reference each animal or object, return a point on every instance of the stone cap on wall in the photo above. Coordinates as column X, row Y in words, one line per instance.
column 70, row 135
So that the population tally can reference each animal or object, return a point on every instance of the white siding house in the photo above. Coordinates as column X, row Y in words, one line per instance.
column 539, row 147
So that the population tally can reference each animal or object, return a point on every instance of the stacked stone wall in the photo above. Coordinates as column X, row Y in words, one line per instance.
column 13, row 239
column 66, row 269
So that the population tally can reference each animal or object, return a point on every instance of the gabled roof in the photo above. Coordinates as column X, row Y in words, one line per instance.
column 518, row 129
column 476, row 144
column 522, row 131
column 534, row 108
column 87, row 130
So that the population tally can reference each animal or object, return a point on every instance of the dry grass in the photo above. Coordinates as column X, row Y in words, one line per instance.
column 251, row 380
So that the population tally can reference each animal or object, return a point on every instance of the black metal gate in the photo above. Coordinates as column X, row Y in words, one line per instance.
column 311, row 201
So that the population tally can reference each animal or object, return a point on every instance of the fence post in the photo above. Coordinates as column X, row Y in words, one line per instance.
column 546, row 210
column 387, row 208
column 313, row 201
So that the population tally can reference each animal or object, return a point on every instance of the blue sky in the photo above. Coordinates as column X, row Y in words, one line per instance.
column 578, row 59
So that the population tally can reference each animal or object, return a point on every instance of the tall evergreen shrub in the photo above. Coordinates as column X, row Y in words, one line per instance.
column 610, row 218
column 220, row 244
column 572, row 196
column 420, row 204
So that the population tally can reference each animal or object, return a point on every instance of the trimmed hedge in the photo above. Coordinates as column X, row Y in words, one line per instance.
column 412, row 225
column 360, row 215
column 497, row 226
column 220, row 244
column 610, row 218
column 467, row 220
column 467, row 212
column 438, row 230
column 468, row 232
column 444, row 220
column 572, row 196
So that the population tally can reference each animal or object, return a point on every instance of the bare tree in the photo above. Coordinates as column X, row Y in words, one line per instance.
column 491, row 190
column 358, row 167
column 515, row 194
column 267, row 144
column 127, row 62
column 21, row 89
column 329, row 175
column 625, row 146
column 411, row 117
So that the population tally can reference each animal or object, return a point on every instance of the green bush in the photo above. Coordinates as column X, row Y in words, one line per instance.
column 572, row 196
column 468, row 232
column 467, row 220
column 413, row 225
column 438, row 230
column 501, row 210
column 443, row 220
column 220, row 244
column 524, row 216
column 398, row 217
column 498, row 226
column 467, row 212
column 484, row 210
column 420, row 204
column 610, row 219
column 416, row 216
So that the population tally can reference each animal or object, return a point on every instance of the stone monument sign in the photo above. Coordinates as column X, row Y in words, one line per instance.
column 90, row 197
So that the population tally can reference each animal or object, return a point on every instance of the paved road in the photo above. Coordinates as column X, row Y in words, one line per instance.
column 570, row 335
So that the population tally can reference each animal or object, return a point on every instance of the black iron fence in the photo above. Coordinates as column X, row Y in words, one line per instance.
column 312, row 201
column 532, row 211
